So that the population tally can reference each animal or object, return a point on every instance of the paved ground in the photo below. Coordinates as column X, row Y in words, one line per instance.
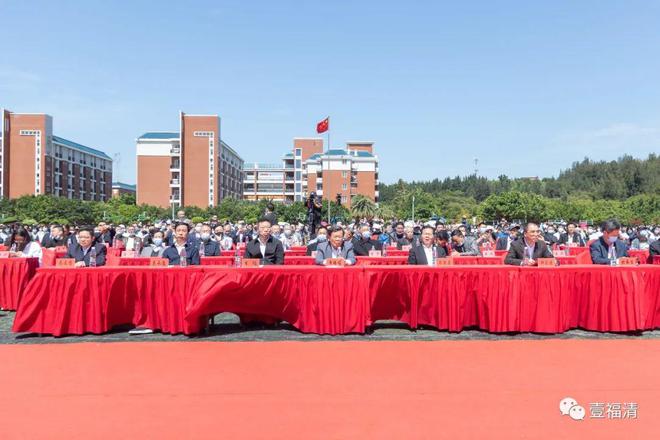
column 227, row 328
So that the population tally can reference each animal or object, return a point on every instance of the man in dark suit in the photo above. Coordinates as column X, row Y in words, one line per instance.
column 82, row 251
column 54, row 238
column 504, row 243
column 105, row 234
column 321, row 237
column 571, row 236
column 181, row 242
column 529, row 249
column 427, row 251
column 211, row 248
column 654, row 250
column 364, row 243
column 265, row 247
column 241, row 235
column 608, row 247
column 336, row 247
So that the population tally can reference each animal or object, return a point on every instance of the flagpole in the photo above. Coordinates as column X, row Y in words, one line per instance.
column 329, row 162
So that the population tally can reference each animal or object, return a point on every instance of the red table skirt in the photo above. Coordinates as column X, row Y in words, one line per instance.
column 656, row 259
column 344, row 300
column 15, row 273
column 642, row 255
column 513, row 299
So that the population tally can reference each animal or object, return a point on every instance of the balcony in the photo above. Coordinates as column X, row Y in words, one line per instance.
column 175, row 182
column 176, row 166
column 175, row 151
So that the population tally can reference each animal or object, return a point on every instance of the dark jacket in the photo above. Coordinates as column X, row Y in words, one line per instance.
column 50, row 242
column 274, row 251
column 192, row 255
column 502, row 242
column 599, row 250
column 405, row 242
column 242, row 237
column 654, row 250
column 312, row 247
column 76, row 252
column 577, row 238
column 362, row 247
column 417, row 256
column 211, row 248
column 516, row 253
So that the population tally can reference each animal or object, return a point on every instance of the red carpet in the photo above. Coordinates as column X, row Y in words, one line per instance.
column 343, row 390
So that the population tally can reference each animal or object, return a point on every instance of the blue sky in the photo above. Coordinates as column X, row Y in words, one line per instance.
column 527, row 87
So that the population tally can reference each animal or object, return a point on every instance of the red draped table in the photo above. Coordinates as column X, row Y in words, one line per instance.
column 15, row 273
column 344, row 300
column 62, row 301
column 514, row 299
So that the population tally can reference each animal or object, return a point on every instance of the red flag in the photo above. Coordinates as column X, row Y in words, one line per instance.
column 323, row 126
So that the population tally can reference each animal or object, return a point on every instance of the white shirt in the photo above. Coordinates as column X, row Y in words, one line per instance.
column 33, row 250
column 179, row 247
column 430, row 258
column 262, row 248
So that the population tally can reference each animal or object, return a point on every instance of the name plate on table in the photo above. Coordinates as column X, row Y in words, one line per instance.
column 250, row 262
column 444, row 262
column 335, row 262
column 406, row 248
column 158, row 261
column 60, row 249
column 490, row 253
column 628, row 261
column 546, row 262
column 560, row 253
column 65, row 262
column 4, row 254
column 128, row 254
column 375, row 254
column 573, row 244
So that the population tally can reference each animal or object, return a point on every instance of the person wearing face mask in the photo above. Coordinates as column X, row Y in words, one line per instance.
column 321, row 237
column 156, row 247
column 363, row 243
column 608, row 248
column 287, row 237
column 549, row 236
column 211, row 248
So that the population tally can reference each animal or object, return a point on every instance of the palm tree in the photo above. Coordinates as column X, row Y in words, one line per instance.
column 363, row 207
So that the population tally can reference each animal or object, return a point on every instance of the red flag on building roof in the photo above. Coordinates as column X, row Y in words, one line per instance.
column 323, row 126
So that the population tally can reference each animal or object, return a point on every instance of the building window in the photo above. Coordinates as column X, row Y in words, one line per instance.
column 344, row 186
column 298, row 175
column 298, row 187
column 298, row 163
column 298, row 152
column 344, row 174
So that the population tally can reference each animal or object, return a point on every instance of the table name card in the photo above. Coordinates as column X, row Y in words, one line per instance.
column 156, row 261
column 250, row 262
column 545, row 262
column 335, row 262
column 65, row 262
column 375, row 253
column 128, row 254
column 444, row 262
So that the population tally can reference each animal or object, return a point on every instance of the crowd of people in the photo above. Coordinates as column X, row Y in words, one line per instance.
column 183, row 242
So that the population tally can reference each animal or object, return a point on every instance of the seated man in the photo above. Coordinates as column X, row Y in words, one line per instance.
column 531, row 247
column 265, row 247
column 181, row 243
column 427, row 251
column 571, row 236
column 82, row 250
column 462, row 245
column 608, row 248
column 55, row 238
column 364, row 243
column 336, row 247
column 321, row 237
column 654, row 250
column 211, row 248
column 409, row 238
